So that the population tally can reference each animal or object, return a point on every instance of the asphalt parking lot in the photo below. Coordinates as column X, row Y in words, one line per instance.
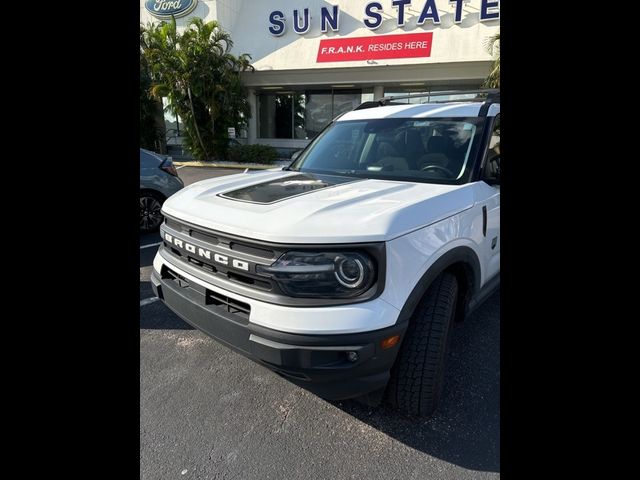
column 209, row 413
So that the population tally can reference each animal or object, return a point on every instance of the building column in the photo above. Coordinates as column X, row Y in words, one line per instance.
column 378, row 92
column 252, row 130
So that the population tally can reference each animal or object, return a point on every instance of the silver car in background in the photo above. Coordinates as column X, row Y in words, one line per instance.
column 158, row 181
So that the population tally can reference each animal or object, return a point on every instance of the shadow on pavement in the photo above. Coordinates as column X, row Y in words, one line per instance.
column 146, row 256
column 466, row 429
column 156, row 315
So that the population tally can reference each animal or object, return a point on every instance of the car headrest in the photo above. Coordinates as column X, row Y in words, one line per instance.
column 414, row 145
column 387, row 150
column 437, row 144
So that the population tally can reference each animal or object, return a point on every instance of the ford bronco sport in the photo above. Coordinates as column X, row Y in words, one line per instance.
column 345, row 271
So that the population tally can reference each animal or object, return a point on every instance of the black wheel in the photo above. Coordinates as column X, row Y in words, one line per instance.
column 417, row 376
column 150, row 216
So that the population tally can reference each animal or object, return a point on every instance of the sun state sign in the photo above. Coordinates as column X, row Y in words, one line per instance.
column 165, row 9
column 329, row 18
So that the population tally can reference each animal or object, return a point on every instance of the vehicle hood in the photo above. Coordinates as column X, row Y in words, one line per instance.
column 294, row 207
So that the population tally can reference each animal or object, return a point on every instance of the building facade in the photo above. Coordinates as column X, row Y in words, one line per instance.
column 315, row 59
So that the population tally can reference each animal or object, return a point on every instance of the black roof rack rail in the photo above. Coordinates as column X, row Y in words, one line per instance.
column 370, row 104
column 492, row 96
column 490, row 100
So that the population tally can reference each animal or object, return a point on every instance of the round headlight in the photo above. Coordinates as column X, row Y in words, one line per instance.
column 349, row 272
column 317, row 274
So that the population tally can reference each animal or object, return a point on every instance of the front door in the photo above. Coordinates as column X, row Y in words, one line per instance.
column 489, row 201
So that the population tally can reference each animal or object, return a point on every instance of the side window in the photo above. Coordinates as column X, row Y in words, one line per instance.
column 145, row 160
column 492, row 165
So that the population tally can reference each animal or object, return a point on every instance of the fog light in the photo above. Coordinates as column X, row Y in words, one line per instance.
column 352, row 356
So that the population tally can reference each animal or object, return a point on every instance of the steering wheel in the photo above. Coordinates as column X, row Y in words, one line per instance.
column 438, row 167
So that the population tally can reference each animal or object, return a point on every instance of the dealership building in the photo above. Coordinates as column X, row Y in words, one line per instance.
column 316, row 59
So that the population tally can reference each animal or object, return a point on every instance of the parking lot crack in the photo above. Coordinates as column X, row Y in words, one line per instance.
column 285, row 410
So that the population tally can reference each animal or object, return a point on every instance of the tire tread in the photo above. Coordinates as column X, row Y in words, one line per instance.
column 416, row 378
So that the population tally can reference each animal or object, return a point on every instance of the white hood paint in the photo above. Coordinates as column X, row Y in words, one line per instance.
column 359, row 211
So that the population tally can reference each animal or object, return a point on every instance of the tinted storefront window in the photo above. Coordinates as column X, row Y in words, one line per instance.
column 302, row 115
column 318, row 111
column 345, row 101
column 417, row 95
column 281, row 115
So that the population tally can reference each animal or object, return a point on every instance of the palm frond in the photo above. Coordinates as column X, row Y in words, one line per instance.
column 492, row 46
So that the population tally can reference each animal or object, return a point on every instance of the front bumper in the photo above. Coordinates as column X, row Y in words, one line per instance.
column 318, row 363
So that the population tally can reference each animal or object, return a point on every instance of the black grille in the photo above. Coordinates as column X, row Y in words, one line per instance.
column 211, row 299
column 169, row 274
column 215, row 239
column 222, row 272
column 192, row 232
column 205, row 237
column 173, row 224
column 251, row 250
column 249, row 278
column 229, row 304
column 205, row 266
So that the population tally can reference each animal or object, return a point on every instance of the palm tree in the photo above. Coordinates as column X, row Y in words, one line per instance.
column 220, row 89
column 492, row 44
column 200, row 79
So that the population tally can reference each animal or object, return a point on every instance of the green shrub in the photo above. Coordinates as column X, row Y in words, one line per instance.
column 253, row 154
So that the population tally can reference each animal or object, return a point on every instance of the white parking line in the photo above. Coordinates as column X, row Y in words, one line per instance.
column 181, row 166
column 150, row 245
column 147, row 301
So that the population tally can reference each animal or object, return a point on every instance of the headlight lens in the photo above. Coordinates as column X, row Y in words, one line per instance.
column 323, row 274
column 349, row 272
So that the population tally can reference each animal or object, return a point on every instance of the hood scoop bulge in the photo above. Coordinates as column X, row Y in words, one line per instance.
column 280, row 189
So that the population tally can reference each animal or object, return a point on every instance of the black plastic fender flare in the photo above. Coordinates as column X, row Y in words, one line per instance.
column 461, row 254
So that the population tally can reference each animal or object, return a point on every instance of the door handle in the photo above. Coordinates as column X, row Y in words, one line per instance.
column 484, row 220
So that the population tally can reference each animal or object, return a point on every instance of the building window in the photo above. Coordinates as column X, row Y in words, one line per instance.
column 281, row 115
column 427, row 94
column 318, row 111
column 302, row 115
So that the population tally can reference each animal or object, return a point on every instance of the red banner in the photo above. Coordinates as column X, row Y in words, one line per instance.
column 408, row 45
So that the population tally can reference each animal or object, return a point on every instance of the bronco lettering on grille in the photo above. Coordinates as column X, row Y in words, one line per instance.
column 208, row 254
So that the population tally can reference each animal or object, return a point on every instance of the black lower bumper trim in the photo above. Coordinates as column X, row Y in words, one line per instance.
column 332, row 366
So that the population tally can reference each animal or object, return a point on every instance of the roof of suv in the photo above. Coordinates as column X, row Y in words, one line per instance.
column 421, row 110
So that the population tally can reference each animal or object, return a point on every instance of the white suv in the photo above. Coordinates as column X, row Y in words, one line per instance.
column 344, row 271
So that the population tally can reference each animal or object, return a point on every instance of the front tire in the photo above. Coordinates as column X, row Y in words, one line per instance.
column 417, row 376
column 150, row 216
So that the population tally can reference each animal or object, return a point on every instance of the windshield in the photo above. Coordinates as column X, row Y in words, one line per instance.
column 438, row 150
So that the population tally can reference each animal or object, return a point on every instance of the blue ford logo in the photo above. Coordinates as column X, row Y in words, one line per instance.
column 166, row 8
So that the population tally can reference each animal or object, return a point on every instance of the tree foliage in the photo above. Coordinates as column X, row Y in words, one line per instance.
column 492, row 45
column 151, row 133
column 201, row 80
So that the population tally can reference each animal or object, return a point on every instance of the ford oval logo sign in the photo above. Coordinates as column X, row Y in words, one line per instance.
column 164, row 9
